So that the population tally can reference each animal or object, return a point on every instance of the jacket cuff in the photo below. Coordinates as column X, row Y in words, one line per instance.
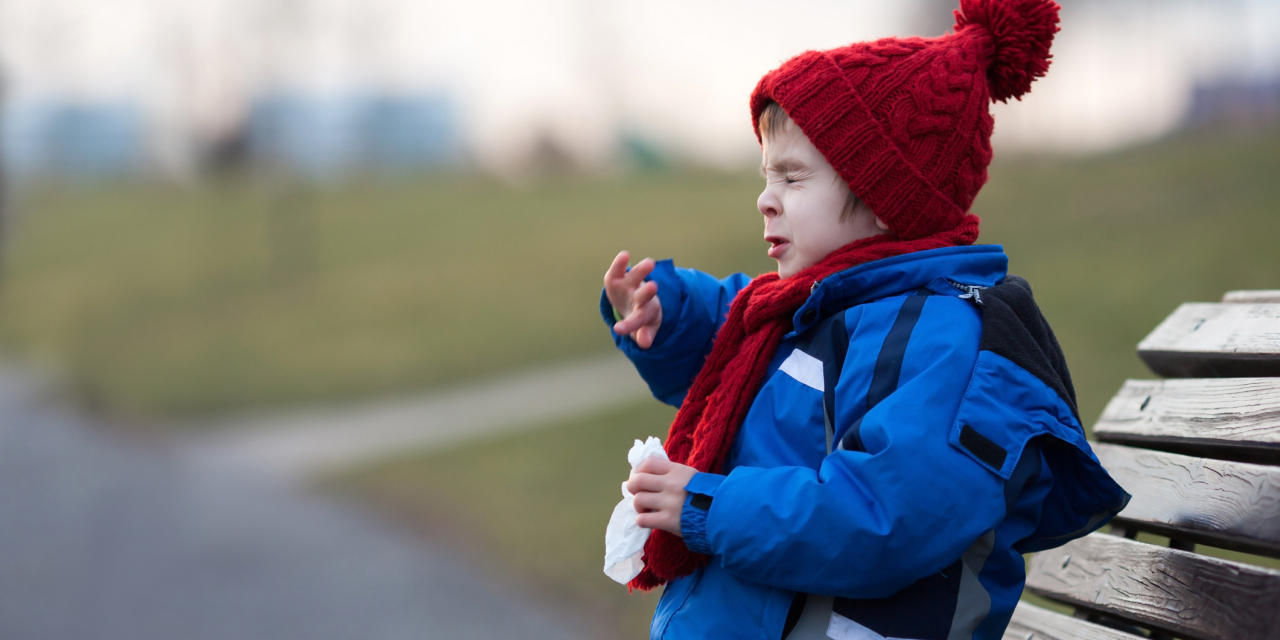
column 697, row 504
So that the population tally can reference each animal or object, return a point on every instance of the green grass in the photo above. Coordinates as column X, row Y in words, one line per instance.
column 157, row 300
column 533, row 506
column 160, row 300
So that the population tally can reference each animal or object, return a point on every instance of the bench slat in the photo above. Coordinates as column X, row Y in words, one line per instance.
column 1236, row 418
column 1234, row 505
column 1255, row 297
column 1189, row 595
column 1215, row 340
column 1033, row 623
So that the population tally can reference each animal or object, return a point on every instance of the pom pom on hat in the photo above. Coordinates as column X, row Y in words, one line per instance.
column 1021, row 33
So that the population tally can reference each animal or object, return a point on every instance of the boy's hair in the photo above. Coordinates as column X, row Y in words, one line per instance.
column 774, row 119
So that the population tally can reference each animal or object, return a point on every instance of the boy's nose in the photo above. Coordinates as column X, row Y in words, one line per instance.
column 767, row 204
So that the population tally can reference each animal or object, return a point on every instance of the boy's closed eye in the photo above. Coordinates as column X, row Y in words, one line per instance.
column 789, row 172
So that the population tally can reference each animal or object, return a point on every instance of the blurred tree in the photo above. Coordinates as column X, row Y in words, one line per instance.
column 228, row 153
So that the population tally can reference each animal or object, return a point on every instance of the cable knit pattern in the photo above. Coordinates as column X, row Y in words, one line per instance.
column 905, row 121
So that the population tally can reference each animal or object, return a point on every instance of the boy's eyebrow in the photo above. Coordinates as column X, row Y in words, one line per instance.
column 785, row 165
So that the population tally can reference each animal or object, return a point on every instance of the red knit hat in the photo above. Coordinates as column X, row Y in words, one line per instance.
column 904, row 120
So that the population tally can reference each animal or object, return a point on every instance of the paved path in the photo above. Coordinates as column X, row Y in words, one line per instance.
column 106, row 539
column 294, row 445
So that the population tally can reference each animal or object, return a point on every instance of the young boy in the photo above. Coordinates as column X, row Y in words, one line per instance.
column 870, row 438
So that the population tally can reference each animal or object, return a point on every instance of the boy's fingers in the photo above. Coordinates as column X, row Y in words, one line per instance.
column 625, row 326
column 656, row 520
column 618, row 268
column 644, row 294
column 640, row 317
column 655, row 466
column 646, row 334
column 628, row 323
column 631, row 325
column 645, row 502
column 639, row 272
column 642, row 482
column 644, row 337
column 651, row 502
column 647, row 314
column 615, row 285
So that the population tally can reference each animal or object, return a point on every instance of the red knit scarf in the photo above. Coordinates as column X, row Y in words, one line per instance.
column 722, row 393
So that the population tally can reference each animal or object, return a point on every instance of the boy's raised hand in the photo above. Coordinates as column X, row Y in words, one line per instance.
column 634, row 299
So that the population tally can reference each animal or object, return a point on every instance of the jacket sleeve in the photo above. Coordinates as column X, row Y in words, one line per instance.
column 865, row 524
column 694, row 305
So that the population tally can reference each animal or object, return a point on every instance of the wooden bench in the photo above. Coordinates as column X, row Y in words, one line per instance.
column 1200, row 453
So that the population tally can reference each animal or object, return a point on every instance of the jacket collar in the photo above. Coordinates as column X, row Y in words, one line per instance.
column 981, row 265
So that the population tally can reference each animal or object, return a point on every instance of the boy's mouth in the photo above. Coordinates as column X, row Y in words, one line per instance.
column 779, row 245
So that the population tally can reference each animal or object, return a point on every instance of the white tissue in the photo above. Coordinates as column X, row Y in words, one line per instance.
column 624, row 539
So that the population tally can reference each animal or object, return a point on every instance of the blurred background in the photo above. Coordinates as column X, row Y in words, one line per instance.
column 300, row 296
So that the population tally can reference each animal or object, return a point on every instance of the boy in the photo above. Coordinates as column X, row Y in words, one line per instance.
column 870, row 438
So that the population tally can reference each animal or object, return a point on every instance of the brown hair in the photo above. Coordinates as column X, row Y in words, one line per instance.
column 773, row 118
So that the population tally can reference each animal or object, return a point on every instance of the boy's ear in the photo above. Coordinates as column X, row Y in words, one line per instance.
column 880, row 224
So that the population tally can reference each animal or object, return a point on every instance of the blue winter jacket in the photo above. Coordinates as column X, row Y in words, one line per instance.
column 949, row 444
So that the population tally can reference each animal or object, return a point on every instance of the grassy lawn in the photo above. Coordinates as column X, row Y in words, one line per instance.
column 156, row 301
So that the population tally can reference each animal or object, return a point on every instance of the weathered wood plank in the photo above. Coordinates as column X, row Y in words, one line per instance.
column 1254, row 297
column 1033, row 623
column 1189, row 595
column 1235, row 418
column 1215, row 340
column 1235, row 505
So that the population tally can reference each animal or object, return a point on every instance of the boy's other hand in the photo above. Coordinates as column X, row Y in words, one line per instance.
column 658, row 486
column 634, row 299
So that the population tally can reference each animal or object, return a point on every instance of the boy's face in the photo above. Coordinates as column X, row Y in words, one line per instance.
column 803, row 202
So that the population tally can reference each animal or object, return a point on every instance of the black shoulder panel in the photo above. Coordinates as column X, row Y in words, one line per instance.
column 1014, row 328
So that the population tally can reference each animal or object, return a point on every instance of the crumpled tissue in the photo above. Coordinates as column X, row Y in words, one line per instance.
column 624, row 539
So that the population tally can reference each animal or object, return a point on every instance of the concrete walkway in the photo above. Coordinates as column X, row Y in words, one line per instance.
column 107, row 539
column 294, row 445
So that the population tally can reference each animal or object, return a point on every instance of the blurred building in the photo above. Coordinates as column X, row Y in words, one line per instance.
column 66, row 138
column 331, row 86
column 328, row 135
column 1236, row 103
